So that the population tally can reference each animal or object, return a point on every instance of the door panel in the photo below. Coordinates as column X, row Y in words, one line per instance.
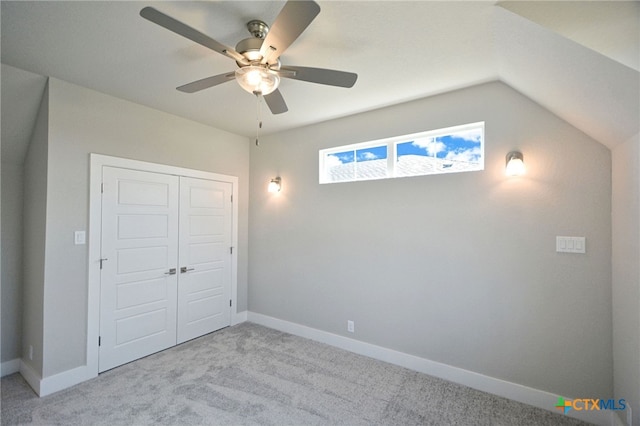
column 141, row 259
column 138, row 297
column 141, row 326
column 204, row 290
column 140, row 293
column 132, row 226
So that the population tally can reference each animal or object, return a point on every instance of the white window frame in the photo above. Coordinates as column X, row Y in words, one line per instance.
column 391, row 144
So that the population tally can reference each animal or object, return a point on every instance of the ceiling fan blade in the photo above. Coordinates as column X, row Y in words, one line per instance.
column 192, row 34
column 321, row 76
column 205, row 83
column 292, row 20
column 276, row 102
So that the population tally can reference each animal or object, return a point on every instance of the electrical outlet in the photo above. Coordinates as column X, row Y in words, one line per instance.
column 31, row 352
column 351, row 328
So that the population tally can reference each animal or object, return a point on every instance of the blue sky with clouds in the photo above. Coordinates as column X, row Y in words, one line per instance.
column 464, row 145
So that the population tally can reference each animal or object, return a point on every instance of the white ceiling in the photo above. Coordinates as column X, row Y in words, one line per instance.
column 400, row 50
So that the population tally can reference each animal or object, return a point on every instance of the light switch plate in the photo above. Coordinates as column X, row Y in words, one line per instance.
column 79, row 237
column 571, row 244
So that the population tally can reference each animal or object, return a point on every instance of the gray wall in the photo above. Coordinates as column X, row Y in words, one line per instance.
column 83, row 121
column 626, row 273
column 12, row 194
column 458, row 268
column 35, row 225
column 21, row 95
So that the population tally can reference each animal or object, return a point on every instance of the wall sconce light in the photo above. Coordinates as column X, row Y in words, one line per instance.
column 275, row 185
column 515, row 164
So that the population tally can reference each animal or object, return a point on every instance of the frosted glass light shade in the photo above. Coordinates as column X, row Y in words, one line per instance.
column 275, row 185
column 515, row 164
column 257, row 80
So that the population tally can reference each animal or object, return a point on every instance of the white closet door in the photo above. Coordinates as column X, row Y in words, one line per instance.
column 140, row 243
column 204, row 287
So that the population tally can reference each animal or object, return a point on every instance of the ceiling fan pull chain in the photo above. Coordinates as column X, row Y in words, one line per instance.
column 258, row 116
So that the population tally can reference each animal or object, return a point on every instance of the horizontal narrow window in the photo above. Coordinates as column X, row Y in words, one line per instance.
column 450, row 150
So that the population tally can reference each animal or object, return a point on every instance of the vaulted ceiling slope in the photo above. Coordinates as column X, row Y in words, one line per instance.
column 21, row 93
column 578, row 61
column 608, row 27
column 593, row 91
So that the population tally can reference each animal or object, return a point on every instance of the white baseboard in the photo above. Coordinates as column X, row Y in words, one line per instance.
column 30, row 375
column 64, row 380
column 239, row 317
column 535, row 397
column 10, row 367
column 55, row 383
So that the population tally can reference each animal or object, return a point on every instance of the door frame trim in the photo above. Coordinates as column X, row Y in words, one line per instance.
column 96, row 163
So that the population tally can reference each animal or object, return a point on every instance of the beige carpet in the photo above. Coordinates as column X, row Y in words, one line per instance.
column 249, row 375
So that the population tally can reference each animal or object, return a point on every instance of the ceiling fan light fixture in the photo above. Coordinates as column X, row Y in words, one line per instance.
column 257, row 80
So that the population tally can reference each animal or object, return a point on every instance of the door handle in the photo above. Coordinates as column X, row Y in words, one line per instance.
column 185, row 269
column 172, row 271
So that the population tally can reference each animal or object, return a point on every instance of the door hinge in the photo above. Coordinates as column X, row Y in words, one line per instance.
column 230, row 303
column 231, row 250
column 232, row 198
column 102, row 188
column 99, row 340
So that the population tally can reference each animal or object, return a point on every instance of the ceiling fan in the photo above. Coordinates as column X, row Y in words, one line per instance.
column 258, row 57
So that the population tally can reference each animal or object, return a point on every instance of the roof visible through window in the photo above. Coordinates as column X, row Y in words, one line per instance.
column 450, row 150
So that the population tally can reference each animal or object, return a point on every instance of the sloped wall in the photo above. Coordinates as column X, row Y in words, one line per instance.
column 12, row 195
column 35, row 227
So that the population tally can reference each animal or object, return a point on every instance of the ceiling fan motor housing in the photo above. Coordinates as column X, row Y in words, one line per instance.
column 250, row 48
